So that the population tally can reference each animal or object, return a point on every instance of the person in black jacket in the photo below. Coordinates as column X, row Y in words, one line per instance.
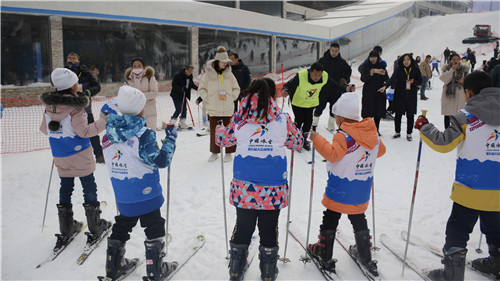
column 374, row 76
column 88, row 85
column 181, row 90
column 404, row 81
column 472, row 60
column 446, row 54
column 242, row 74
column 338, row 70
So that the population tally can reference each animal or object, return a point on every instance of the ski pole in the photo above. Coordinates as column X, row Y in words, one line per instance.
column 220, row 122
column 168, row 212
column 284, row 258
column 305, row 258
column 424, row 112
column 374, row 248
column 47, row 196
column 282, row 84
column 190, row 113
column 478, row 250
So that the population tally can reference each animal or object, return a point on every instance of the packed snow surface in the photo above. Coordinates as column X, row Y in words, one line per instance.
column 196, row 194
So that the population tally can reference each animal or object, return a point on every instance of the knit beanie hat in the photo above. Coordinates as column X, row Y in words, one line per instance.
column 130, row 100
column 222, row 55
column 348, row 106
column 63, row 78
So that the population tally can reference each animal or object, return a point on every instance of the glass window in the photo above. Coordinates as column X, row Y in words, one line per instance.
column 252, row 49
column 107, row 47
column 295, row 53
column 25, row 49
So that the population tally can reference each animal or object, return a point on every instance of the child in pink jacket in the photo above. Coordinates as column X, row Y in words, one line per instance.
column 65, row 123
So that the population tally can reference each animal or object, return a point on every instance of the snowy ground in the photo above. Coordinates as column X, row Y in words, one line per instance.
column 196, row 196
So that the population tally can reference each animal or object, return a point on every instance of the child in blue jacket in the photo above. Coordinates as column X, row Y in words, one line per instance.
column 133, row 158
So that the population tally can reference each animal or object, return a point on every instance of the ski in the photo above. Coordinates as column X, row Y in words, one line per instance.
column 328, row 275
column 386, row 241
column 188, row 253
column 90, row 247
column 416, row 241
column 56, row 253
column 343, row 243
column 125, row 274
column 252, row 250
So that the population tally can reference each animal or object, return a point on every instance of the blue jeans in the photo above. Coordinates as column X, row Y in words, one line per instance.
column 462, row 221
column 180, row 107
column 425, row 80
column 89, row 189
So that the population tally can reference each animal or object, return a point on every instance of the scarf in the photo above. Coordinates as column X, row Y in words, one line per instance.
column 136, row 79
column 451, row 88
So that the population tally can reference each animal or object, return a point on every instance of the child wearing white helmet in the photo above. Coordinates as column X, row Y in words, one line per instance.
column 65, row 123
column 351, row 160
column 133, row 159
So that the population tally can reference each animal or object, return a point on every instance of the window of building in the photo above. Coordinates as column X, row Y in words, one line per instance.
column 252, row 49
column 25, row 49
column 295, row 53
column 107, row 47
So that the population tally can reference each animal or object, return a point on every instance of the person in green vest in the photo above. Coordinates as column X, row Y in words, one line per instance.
column 304, row 90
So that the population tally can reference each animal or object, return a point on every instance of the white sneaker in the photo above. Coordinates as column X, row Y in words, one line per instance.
column 213, row 157
column 183, row 124
column 228, row 157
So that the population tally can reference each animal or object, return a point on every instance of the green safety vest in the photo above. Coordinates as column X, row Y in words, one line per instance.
column 307, row 95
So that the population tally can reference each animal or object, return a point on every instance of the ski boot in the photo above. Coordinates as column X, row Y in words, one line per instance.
column 332, row 124
column 454, row 265
column 490, row 264
column 362, row 250
column 307, row 143
column 96, row 225
column 117, row 265
column 67, row 225
column 268, row 259
column 315, row 122
column 323, row 249
column 238, row 261
column 157, row 269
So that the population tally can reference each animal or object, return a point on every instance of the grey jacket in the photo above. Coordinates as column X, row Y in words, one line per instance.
column 485, row 106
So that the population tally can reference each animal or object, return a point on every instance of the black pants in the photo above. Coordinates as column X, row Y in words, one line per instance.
column 462, row 221
column 153, row 224
column 446, row 121
column 180, row 107
column 96, row 143
column 377, row 122
column 330, row 99
column 303, row 118
column 331, row 221
column 246, row 219
column 409, row 123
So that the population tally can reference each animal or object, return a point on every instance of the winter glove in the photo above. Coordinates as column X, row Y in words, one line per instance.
column 171, row 133
column 421, row 121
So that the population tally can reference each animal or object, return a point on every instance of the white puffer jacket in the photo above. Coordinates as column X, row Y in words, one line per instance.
column 211, row 85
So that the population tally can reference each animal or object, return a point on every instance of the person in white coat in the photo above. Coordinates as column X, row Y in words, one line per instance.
column 219, row 89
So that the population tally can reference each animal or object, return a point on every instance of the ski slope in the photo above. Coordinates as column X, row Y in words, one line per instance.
column 196, row 195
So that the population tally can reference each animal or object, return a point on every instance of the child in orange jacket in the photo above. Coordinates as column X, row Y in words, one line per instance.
column 351, row 160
